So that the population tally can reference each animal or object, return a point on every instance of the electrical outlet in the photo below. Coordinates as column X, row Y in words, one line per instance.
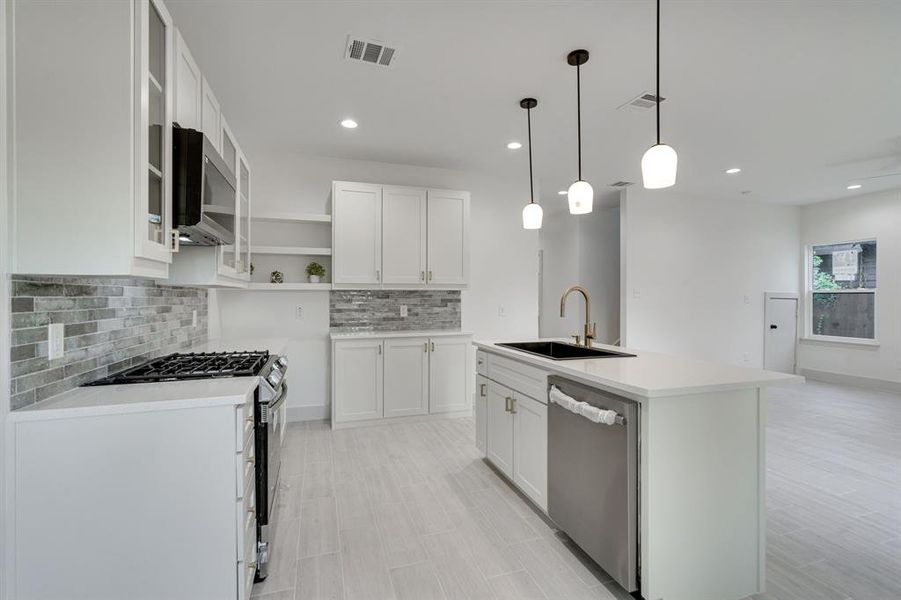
column 403, row 311
column 194, row 318
column 747, row 299
column 500, row 310
column 55, row 346
column 298, row 312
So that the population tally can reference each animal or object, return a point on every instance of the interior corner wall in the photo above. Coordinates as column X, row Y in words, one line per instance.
column 501, row 302
column 695, row 272
column 584, row 250
column 868, row 216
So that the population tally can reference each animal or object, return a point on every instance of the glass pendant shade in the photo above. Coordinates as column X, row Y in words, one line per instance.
column 581, row 198
column 532, row 216
column 658, row 167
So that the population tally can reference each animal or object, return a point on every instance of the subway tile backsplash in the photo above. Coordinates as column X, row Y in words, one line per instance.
column 379, row 310
column 110, row 325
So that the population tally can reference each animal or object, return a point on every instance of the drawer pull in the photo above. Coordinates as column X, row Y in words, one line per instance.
column 482, row 390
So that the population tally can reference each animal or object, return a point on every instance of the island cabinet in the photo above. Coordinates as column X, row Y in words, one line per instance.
column 93, row 91
column 376, row 378
column 395, row 237
column 514, row 423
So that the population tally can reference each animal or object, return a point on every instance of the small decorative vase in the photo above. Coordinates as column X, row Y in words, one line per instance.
column 314, row 278
column 277, row 277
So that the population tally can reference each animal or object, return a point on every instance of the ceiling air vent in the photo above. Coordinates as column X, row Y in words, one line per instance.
column 374, row 52
column 620, row 184
column 641, row 102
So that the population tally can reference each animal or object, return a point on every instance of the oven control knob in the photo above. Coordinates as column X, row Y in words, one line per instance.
column 274, row 378
column 282, row 361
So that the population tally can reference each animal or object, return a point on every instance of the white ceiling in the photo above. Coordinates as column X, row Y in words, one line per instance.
column 805, row 97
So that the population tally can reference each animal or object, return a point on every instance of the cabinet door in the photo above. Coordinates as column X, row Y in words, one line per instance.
column 243, row 264
column 481, row 401
column 530, row 448
column 357, row 380
column 406, row 377
column 229, row 253
column 499, row 428
column 356, row 233
column 188, row 86
column 154, row 144
column 210, row 116
column 403, row 235
column 448, row 237
column 448, row 369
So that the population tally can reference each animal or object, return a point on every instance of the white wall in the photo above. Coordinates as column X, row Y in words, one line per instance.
column 695, row 272
column 503, row 270
column 5, row 246
column 581, row 249
column 862, row 217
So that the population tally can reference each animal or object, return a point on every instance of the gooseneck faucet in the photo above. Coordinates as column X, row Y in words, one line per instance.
column 590, row 328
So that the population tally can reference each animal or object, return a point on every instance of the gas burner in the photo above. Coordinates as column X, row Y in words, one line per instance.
column 194, row 365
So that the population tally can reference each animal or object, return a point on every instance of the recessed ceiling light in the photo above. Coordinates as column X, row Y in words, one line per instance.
column 733, row 171
column 349, row 124
column 563, row 192
column 514, row 146
column 854, row 186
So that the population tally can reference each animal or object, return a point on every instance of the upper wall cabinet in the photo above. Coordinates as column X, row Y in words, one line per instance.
column 210, row 116
column 94, row 101
column 188, row 87
column 394, row 237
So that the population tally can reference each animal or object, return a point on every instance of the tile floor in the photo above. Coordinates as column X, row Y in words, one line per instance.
column 410, row 511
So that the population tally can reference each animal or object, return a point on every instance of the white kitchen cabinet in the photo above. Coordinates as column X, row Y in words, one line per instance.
column 406, row 376
column 481, row 407
column 244, row 215
column 448, row 368
column 403, row 235
column 530, row 448
column 499, row 428
column 356, row 234
column 357, row 380
column 93, row 137
column 210, row 116
column 188, row 87
column 448, row 237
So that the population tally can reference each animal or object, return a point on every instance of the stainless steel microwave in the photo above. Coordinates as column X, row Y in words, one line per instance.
column 203, row 191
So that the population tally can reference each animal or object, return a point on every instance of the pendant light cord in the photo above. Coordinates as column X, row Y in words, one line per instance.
column 658, row 72
column 579, row 113
column 531, row 185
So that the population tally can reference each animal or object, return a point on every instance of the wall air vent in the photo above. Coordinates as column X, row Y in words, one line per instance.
column 620, row 184
column 641, row 102
column 374, row 52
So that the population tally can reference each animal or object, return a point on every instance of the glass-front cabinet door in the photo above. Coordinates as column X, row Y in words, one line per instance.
column 243, row 266
column 228, row 253
column 154, row 142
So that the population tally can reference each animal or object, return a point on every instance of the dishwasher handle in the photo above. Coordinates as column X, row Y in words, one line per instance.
column 584, row 409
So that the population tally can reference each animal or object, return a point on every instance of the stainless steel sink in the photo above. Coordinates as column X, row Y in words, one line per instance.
column 563, row 351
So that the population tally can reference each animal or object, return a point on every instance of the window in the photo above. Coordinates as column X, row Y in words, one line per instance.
column 842, row 290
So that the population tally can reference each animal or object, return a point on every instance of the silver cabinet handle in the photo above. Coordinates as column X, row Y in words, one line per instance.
column 482, row 390
column 508, row 404
column 425, row 347
column 422, row 275
column 433, row 346
column 378, row 275
column 430, row 275
column 380, row 348
column 512, row 406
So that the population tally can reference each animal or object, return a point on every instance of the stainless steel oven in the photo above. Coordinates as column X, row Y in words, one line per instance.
column 270, row 433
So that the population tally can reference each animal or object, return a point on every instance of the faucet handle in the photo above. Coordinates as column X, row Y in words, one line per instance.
column 590, row 332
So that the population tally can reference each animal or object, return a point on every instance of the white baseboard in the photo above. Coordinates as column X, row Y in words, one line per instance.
column 863, row 382
column 309, row 413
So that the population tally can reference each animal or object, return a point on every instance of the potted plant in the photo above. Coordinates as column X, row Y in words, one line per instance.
column 315, row 271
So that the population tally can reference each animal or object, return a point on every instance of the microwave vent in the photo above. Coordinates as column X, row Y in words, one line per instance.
column 374, row 52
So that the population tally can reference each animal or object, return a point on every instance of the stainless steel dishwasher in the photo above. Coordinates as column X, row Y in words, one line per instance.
column 593, row 476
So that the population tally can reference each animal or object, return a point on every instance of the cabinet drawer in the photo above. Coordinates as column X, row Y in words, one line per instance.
column 246, row 572
column 481, row 363
column 517, row 376
column 246, row 516
column 244, row 424
column 245, row 464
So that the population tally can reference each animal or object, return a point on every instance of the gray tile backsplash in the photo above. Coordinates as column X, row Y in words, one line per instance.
column 379, row 310
column 110, row 325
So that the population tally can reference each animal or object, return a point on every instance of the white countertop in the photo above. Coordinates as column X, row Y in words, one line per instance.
column 357, row 334
column 169, row 395
column 648, row 374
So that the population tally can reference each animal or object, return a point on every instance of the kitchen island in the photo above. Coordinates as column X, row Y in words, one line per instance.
column 701, row 457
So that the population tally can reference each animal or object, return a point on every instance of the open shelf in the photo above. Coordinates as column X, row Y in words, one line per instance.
column 300, row 250
column 291, row 286
column 279, row 217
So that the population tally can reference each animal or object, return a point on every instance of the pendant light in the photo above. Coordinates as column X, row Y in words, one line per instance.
column 658, row 165
column 532, row 213
column 581, row 195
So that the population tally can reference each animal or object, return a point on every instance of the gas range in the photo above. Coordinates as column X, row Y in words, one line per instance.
column 194, row 365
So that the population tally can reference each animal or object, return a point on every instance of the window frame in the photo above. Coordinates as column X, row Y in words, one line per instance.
column 809, row 335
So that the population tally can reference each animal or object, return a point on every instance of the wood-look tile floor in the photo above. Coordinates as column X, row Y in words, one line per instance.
column 410, row 511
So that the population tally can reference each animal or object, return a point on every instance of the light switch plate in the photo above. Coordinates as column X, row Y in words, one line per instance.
column 403, row 310
column 298, row 312
column 55, row 337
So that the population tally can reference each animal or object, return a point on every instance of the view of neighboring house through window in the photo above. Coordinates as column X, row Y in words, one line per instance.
column 843, row 290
